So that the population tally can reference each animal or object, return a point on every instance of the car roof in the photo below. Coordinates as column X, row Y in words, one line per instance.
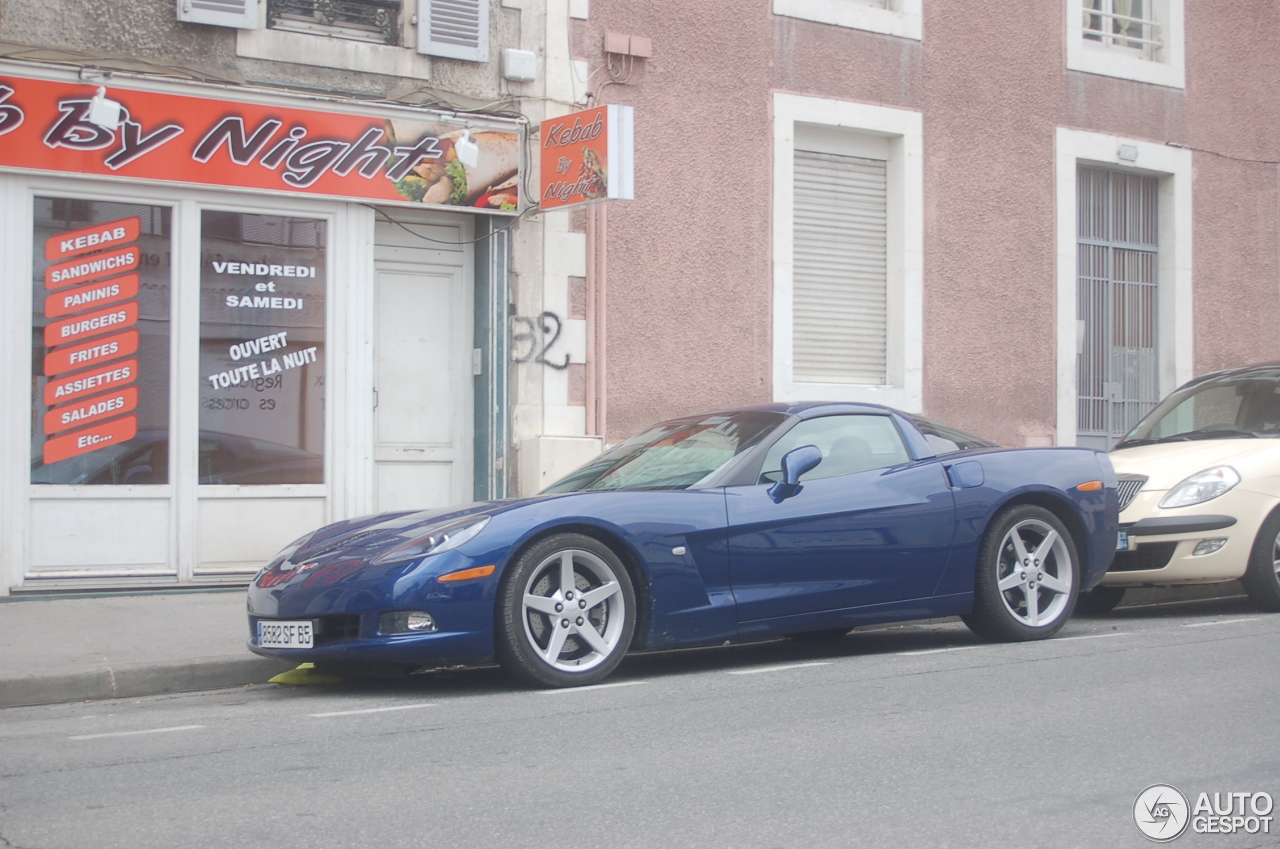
column 1239, row 371
column 809, row 409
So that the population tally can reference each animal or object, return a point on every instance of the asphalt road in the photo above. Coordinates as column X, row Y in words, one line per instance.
column 904, row 736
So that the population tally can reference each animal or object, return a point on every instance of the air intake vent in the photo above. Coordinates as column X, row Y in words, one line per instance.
column 242, row 14
column 455, row 29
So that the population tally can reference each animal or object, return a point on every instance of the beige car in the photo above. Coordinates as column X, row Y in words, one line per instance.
column 1200, row 491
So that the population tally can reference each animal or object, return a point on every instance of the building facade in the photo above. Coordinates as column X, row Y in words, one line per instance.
column 269, row 253
column 1028, row 219
column 283, row 261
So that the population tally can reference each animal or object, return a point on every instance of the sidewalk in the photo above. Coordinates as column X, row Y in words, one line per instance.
column 112, row 645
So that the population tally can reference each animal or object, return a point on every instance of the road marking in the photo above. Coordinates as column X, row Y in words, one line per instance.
column 939, row 651
column 778, row 668
column 987, row 645
column 589, row 687
column 372, row 710
column 1219, row 622
column 135, row 733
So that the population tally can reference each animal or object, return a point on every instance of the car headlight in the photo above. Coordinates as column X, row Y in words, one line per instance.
column 1201, row 487
column 435, row 540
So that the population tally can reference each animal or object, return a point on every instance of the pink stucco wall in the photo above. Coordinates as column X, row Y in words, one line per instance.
column 689, row 261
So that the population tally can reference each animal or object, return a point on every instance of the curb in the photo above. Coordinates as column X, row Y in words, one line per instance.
column 131, row 680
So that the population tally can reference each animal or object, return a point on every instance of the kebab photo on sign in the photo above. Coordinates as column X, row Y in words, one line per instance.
column 478, row 169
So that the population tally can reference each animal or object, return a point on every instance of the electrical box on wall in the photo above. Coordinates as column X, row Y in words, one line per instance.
column 519, row 65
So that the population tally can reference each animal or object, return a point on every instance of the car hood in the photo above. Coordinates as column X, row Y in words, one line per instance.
column 1167, row 464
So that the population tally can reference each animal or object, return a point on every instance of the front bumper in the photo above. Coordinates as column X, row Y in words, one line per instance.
column 1162, row 542
column 345, row 600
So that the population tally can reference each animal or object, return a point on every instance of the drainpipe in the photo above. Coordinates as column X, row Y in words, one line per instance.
column 597, row 419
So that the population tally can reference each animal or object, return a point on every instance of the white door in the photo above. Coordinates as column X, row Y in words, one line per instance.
column 423, row 431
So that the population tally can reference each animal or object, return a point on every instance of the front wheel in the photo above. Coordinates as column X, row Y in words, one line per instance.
column 566, row 612
column 1027, row 576
column 1262, row 578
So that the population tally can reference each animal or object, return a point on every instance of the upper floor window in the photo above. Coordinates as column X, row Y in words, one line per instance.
column 847, row 237
column 393, row 37
column 1140, row 40
column 891, row 17
column 1123, row 24
column 360, row 20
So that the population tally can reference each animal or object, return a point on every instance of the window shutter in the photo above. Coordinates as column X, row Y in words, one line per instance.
column 456, row 29
column 840, row 269
column 242, row 14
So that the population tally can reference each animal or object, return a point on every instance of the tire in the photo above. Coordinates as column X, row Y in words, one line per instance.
column 1021, row 590
column 538, row 640
column 1099, row 600
column 1262, row 579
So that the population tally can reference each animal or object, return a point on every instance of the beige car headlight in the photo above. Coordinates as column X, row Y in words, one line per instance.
column 1201, row 487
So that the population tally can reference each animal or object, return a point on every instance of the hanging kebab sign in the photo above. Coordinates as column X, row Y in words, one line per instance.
column 588, row 157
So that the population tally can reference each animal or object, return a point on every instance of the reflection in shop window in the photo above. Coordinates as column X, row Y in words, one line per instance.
column 100, row 343
column 262, row 289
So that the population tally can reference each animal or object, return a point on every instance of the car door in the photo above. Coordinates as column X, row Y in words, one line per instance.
column 869, row 525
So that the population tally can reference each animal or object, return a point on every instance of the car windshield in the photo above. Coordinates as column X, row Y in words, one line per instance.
column 673, row 455
column 1235, row 406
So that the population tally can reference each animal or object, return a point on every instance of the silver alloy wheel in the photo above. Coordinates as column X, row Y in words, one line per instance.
column 573, row 610
column 1034, row 573
column 1275, row 555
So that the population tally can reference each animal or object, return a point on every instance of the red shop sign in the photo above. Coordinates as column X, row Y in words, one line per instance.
column 88, row 382
column 90, row 439
column 92, row 295
column 102, row 350
column 91, row 410
column 91, row 324
column 406, row 157
column 90, row 267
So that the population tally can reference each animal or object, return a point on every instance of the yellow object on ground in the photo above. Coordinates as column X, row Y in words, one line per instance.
column 305, row 674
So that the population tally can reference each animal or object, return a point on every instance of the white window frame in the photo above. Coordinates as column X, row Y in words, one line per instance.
column 904, row 18
column 903, row 129
column 1169, row 70
column 1174, row 304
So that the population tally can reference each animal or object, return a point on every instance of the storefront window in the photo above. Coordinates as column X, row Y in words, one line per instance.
column 100, row 343
column 262, row 288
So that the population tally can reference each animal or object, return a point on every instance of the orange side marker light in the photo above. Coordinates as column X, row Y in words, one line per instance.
column 468, row 574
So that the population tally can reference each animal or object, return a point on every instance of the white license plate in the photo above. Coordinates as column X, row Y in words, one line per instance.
column 1122, row 541
column 286, row 635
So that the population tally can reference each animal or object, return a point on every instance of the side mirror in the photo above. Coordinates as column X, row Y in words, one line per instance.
column 796, row 463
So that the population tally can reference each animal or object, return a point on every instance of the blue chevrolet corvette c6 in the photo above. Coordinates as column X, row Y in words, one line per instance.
column 806, row 519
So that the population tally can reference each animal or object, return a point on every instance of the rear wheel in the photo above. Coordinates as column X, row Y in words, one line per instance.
column 1099, row 600
column 1027, row 576
column 1262, row 578
column 566, row 612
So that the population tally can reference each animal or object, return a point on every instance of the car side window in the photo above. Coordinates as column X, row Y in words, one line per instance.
column 849, row 444
column 944, row 439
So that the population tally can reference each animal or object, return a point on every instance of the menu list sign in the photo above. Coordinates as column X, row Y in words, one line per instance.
column 91, row 393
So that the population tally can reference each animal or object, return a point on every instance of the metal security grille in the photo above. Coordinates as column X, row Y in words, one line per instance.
column 840, row 261
column 359, row 20
column 1117, row 290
